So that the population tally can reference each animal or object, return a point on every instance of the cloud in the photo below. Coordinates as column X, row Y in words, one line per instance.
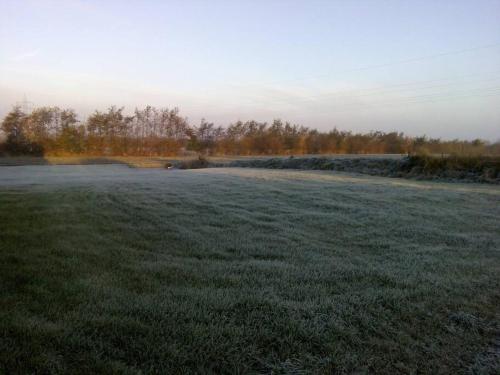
column 25, row 55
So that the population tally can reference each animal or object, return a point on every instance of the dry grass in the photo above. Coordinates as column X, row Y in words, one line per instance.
column 132, row 161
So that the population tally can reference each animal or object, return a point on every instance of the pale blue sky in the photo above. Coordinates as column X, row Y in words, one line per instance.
column 422, row 67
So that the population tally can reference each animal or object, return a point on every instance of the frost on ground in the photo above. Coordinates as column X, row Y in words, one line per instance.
column 111, row 269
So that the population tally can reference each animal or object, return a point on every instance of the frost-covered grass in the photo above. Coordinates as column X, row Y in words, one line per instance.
column 111, row 269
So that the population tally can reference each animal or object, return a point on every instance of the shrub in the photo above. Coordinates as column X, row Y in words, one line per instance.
column 201, row 162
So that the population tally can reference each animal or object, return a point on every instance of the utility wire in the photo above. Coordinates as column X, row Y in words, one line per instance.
column 381, row 90
column 384, row 65
column 399, row 103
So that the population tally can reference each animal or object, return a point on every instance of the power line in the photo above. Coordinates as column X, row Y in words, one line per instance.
column 381, row 90
column 368, row 67
column 425, row 97
column 422, row 99
column 388, row 64
column 490, row 92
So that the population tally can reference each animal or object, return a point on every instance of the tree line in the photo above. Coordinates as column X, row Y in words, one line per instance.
column 164, row 132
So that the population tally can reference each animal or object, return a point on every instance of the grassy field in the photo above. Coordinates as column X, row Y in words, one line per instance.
column 108, row 269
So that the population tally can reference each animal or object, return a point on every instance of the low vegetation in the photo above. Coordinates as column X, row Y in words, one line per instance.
column 444, row 168
column 108, row 269
column 482, row 168
column 200, row 162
